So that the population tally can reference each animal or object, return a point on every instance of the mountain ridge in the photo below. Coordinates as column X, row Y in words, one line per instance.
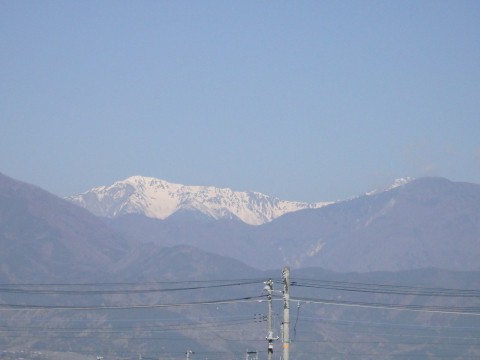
column 426, row 222
column 156, row 198
column 46, row 240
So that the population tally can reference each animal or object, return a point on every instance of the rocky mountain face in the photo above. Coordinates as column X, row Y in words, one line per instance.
column 160, row 199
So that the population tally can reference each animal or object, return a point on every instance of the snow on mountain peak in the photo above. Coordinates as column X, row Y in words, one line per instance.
column 396, row 183
column 159, row 199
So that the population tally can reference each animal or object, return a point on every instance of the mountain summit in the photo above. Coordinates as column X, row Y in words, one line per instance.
column 156, row 198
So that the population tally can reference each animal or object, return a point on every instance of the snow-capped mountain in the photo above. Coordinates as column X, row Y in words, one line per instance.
column 397, row 183
column 159, row 199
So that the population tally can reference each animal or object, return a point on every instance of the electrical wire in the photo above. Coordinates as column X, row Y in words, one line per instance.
column 169, row 282
column 296, row 322
column 384, row 288
column 34, row 291
column 388, row 324
column 124, row 307
column 217, row 328
column 474, row 311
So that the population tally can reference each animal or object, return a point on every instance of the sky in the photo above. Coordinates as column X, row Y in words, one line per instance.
column 301, row 100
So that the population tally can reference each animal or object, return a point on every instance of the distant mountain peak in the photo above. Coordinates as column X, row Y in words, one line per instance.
column 396, row 183
column 160, row 199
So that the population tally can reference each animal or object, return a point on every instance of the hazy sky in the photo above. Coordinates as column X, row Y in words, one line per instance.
column 303, row 100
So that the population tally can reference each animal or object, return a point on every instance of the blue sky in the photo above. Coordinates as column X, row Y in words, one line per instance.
column 303, row 100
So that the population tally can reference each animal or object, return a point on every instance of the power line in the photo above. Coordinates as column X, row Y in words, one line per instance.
column 474, row 311
column 45, row 289
column 169, row 282
column 160, row 327
column 388, row 324
column 384, row 288
column 220, row 328
column 124, row 307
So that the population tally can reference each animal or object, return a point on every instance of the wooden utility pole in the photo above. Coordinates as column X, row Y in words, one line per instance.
column 286, row 312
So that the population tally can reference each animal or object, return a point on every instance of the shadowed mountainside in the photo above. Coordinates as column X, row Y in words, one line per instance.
column 42, row 236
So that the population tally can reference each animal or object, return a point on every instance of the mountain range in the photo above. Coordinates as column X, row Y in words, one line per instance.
column 414, row 223
column 55, row 255
column 159, row 199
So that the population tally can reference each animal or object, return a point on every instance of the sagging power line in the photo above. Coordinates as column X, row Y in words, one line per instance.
column 308, row 284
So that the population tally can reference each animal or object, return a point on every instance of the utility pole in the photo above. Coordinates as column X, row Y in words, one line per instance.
column 286, row 312
column 270, row 338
